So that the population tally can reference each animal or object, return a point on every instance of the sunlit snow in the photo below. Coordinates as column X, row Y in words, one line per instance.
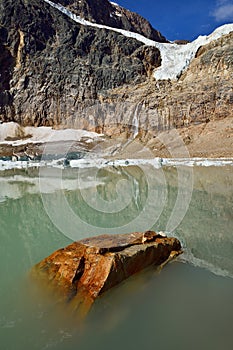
column 13, row 134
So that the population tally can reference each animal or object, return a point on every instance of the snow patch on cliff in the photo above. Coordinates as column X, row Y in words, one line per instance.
column 114, row 3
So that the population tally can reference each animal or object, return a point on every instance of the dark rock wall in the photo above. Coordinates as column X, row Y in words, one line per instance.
column 53, row 67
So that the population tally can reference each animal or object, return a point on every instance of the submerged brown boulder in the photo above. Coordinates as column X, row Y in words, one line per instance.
column 85, row 269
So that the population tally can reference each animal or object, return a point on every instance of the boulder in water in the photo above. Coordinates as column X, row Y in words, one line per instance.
column 86, row 269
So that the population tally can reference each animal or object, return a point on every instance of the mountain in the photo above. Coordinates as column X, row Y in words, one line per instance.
column 112, row 15
column 50, row 64
column 199, row 105
column 93, row 64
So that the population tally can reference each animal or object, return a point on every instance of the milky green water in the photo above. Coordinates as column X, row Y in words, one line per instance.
column 186, row 306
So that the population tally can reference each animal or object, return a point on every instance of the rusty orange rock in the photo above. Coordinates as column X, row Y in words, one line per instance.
column 85, row 269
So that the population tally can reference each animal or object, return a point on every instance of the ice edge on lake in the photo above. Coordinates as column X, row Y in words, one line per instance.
column 102, row 162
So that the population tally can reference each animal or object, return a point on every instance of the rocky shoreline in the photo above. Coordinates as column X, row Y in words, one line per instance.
column 205, row 140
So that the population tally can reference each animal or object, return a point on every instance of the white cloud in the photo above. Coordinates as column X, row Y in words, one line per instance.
column 223, row 11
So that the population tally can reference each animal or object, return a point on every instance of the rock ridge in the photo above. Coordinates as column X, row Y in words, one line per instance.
column 112, row 15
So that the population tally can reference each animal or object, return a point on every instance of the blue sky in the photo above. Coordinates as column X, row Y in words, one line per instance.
column 183, row 19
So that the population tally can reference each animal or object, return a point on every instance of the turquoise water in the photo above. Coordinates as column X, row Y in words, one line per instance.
column 187, row 305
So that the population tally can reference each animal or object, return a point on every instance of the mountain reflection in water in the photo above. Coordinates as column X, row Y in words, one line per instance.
column 190, row 304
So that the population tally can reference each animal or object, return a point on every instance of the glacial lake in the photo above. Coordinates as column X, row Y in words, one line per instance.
column 187, row 305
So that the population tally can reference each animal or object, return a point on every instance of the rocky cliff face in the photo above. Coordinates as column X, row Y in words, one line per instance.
column 61, row 73
column 112, row 15
column 51, row 66
column 199, row 104
column 202, row 93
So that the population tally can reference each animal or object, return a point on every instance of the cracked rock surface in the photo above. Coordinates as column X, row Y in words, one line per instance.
column 86, row 269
